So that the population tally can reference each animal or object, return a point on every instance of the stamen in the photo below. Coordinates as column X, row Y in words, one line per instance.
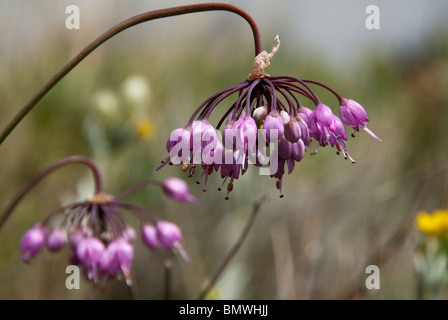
column 206, row 172
column 199, row 180
column 229, row 188
column 192, row 169
column 278, row 184
column 225, row 179
column 164, row 163
column 181, row 251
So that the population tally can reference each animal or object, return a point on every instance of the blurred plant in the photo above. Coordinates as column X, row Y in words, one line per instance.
column 118, row 119
column 100, row 239
column 431, row 257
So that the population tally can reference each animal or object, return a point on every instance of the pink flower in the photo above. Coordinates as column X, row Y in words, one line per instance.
column 177, row 189
column 354, row 115
column 33, row 241
column 56, row 239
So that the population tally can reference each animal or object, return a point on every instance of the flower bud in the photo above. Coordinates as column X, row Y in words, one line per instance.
column 149, row 236
column 273, row 122
column 56, row 239
column 168, row 234
column 260, row 113
column 33, row 241
column 285, row 117
column 293, row 131
column 177, row 189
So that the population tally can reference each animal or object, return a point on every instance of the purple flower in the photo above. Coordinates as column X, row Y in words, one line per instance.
column 297, row 150
column 168, row 234
column 118, row 257
column 203, row 133
column 212, row 155
column 177, row 189
column 230, row 168
column 149, row 236
column 339, row 130
column 246, row 133
column 179, row 135
column 289, row 153
column 33, row 241
column 90, row 252
column 354, row 115
column 338, row 139
column 293, row 131
column 305, row 114
column 272, row 103
column 273, row 122
column 228, row 137
column 322, row 123
column 178, row 145
column 56, row 239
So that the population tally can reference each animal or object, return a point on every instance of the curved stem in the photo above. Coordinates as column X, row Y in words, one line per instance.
column 324, row 86
column 138, row 186
column 80, row 159
column 234, row 249
column 141, row 214
column 147, row 16
column 227, row 91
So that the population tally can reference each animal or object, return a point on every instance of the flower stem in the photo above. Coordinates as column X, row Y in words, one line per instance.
column 138, row 186
column 168, row 266
column 144, row 17
column 234, row 249
column 72, row 159
column 326, row 87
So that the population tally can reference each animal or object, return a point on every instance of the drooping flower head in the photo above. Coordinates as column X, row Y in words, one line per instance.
column 96, row 231
column 265, row 111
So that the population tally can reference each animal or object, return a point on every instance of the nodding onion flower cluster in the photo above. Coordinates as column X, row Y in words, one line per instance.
column 269, row 105
column 98, row 236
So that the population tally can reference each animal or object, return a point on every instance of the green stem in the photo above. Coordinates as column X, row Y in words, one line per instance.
column 79, row 159
column 147, row 16
column 233, row 250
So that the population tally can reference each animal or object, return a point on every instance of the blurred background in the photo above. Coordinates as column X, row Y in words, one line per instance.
column 122, row 102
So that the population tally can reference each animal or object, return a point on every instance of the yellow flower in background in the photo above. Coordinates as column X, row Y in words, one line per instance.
column 435, row 224
column 145, row 129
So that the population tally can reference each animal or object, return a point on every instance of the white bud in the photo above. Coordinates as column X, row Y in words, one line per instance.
column 260, row 113
column 285, row 117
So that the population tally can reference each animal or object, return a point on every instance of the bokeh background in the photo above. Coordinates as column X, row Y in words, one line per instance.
column 121, row 103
